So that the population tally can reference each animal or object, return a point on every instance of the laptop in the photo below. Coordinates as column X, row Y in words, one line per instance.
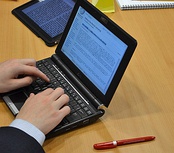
column 88, row 63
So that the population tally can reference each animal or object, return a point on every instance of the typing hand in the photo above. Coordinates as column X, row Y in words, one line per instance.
column 46, row 109
column 12, row 69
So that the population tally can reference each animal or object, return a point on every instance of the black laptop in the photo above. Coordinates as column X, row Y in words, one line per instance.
column 88, row 63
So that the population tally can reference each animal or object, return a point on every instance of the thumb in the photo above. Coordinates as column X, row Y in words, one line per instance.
column 22, row 82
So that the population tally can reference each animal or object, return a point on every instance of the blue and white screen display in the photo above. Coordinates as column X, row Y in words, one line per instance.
column 95, row 50
column 50, row 15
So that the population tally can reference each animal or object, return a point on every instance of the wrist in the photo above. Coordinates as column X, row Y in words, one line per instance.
column 30, row 129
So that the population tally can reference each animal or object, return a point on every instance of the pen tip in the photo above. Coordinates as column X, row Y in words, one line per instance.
column 153, row 137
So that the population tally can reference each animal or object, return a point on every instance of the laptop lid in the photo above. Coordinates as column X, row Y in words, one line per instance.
column 96, row 50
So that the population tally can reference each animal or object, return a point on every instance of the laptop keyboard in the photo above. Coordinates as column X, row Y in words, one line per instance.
column 79, row 108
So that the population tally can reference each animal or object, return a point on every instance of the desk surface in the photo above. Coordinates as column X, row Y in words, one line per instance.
column 144, row 101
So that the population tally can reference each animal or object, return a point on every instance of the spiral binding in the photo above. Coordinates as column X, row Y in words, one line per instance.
column 145, row 6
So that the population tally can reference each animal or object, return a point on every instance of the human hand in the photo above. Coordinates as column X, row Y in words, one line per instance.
column 12, row 69
column 46, row 109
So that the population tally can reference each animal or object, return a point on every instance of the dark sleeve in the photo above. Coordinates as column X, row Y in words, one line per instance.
column 13, row 140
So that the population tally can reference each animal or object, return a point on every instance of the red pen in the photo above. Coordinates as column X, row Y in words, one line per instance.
column 113, row 144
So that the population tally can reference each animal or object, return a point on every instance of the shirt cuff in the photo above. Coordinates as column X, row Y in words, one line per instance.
column 30, row 129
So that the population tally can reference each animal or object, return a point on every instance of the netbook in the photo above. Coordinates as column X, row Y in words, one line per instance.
column 88, row 63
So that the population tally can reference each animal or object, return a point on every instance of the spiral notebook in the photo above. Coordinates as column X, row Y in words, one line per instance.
column 138, row 4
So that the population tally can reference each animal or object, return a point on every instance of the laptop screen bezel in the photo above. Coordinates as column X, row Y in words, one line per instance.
column 114, row 28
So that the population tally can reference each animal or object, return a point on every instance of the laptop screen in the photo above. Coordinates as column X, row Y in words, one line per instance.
column 95, row 50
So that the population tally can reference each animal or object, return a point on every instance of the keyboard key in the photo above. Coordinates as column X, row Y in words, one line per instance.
column 82, row 113
column 73, row 117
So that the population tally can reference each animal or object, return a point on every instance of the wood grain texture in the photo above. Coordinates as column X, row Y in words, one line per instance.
column 144, row 101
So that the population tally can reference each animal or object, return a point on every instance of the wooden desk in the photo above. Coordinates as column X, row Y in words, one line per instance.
column 144, row 101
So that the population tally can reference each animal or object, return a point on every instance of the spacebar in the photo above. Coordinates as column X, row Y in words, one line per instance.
column 73, row 117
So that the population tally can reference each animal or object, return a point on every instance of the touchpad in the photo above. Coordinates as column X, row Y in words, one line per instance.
column 18, row 98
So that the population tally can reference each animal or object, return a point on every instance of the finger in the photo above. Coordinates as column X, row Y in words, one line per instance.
column 21, row 82
column 64, row 111
column 31, row 62
column 31, row 95
column 61, row 101
column 33, row 71
column 29, row 98
column 57, row 93
column 47, row 91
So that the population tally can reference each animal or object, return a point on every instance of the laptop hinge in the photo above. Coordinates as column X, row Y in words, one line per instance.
column 81, row 87
column 98, row 105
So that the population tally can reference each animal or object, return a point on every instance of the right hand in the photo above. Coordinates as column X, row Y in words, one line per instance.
column 46, row 109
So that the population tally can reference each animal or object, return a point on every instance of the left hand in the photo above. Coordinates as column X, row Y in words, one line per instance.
column 12, row 69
